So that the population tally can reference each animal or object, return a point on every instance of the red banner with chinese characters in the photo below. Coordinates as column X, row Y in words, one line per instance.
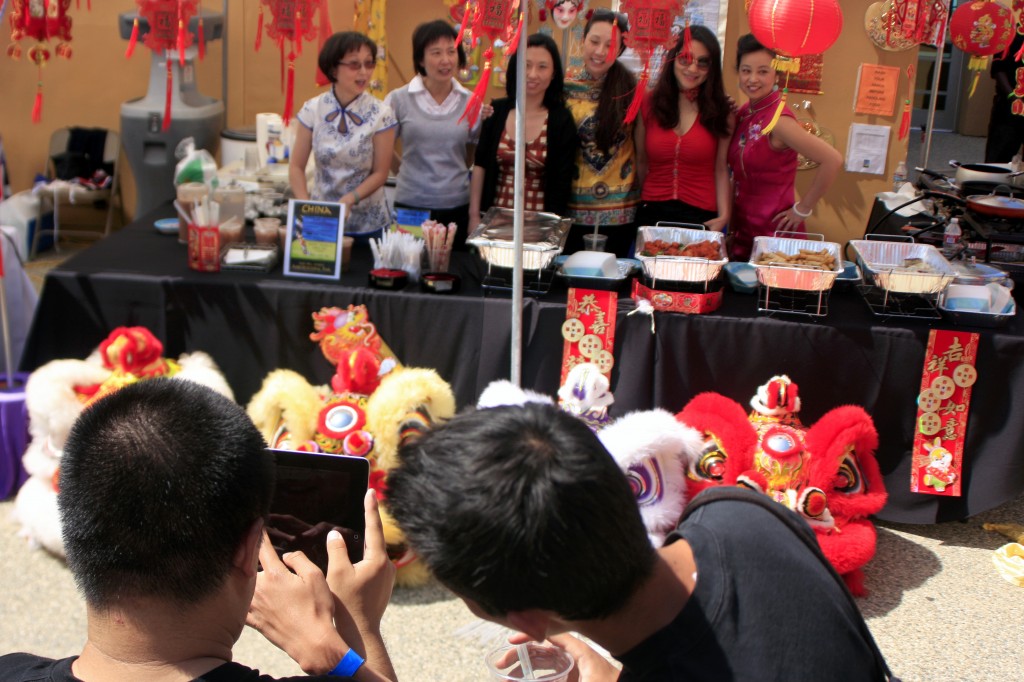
column 589, row 330
column 942, row 409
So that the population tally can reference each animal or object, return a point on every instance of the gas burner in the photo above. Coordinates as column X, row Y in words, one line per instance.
column 987, row 226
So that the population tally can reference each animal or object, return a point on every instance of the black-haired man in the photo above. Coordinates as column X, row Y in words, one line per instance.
column 522, row 513
column 164, row 487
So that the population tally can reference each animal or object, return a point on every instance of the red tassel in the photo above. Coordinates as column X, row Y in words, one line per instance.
column 613, row 49
column 905, row 120
column 325, row 33
column 202, row 40
column 259, row 29
column 37, row 107
column 181, row 42
column 1020, row 54
column 280, row 49
column 476, row 101
column 514, row 43
column 289, row 97
column 133, row 41
column 687, row 42
column 542, row 14
column 170, row 93
column 464, row 24
column 297, row 33
column 638, row 96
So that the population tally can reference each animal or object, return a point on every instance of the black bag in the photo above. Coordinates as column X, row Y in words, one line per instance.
column 71, row 165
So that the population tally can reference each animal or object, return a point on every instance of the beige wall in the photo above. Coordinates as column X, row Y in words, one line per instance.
column 89, row 89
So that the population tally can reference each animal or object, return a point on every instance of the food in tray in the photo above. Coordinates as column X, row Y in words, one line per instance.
column 807, row 258
column 916, row 265
column 704, row 249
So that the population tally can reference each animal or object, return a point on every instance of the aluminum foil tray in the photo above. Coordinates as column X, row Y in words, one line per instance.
column 544, row 236
column 882, row 263
column 680, row 268
column 796, row 277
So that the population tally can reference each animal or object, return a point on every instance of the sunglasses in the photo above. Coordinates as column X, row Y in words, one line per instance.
column 354, row 66
column 703, row 63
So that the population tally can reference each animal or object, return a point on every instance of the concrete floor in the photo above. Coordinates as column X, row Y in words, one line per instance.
column 937, row 607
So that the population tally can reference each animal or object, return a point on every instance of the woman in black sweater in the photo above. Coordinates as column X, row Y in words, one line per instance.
column 550, row 134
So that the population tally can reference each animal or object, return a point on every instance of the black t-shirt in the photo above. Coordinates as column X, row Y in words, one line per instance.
column 30, row 668
column 764, row 608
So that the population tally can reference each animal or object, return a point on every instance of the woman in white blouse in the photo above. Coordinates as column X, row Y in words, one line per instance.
column 434, row 176
column 351, row 135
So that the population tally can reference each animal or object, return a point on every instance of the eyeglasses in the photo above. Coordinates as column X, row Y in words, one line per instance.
column 369, row 65
column 685, row 60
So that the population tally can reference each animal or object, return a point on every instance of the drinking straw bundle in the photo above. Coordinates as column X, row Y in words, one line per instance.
column 439, row 240
column 205, row 212
column 398, row 251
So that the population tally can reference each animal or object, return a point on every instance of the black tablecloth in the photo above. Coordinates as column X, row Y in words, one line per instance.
column 251, row 323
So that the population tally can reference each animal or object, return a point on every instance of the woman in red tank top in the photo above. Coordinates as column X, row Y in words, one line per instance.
column 682, row 137
column 764, row 166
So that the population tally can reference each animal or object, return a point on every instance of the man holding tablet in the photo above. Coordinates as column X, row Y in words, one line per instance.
column 165, row 485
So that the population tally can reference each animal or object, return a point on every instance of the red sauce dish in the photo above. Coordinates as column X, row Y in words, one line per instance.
column 385, row 278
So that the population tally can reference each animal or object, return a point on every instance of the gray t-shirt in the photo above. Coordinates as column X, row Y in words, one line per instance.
column 434, row 173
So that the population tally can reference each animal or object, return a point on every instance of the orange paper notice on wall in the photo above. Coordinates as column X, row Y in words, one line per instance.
column 876, row 89
column 942, row 408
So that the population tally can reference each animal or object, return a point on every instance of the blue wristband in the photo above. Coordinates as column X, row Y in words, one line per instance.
column 349, row 664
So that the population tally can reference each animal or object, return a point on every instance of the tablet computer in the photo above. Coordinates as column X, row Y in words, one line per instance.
column 314, row 494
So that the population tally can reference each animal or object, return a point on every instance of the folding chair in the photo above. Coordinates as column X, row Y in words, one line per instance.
column 79, row 153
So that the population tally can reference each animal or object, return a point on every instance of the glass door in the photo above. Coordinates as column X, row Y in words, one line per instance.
column 947, row 96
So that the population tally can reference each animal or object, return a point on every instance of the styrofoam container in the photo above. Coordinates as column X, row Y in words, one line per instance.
column 797, row 277
column 680, row 268
column 591, row 264
column 882, row 262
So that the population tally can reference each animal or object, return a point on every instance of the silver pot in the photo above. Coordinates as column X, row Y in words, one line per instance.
column 984, row 172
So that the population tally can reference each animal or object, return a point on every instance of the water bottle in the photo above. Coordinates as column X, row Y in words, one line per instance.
column 951, row 237
column 900, row 176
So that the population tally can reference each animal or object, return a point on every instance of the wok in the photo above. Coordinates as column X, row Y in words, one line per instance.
column 982, row 172
column 997, row 206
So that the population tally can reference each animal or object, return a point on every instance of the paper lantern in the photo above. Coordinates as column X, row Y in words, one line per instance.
column 167, row 20
column 494, row 19
column 291, row 23
column 792, row 28
column 650, row 27
column 981, row 29
column 42, row 22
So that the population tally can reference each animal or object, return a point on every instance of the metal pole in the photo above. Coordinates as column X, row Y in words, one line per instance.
column 224, row 63
column 939, row 50
column 517, row 214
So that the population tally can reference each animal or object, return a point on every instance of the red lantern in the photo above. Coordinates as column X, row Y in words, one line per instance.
column 167, row 20
column 981, row 29
column 792, row 28
column 291, row 23
column 494, row 19
column 41, row 21
column 650, row 27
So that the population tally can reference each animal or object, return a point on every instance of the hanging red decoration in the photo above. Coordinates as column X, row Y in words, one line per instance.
column 921, row 21
column 650, row 27
column 494, row 19
column 981, row 29
column 291, row 23
column 905, row 119
column 791, row 29
column 41, row 21
column 168, row 21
